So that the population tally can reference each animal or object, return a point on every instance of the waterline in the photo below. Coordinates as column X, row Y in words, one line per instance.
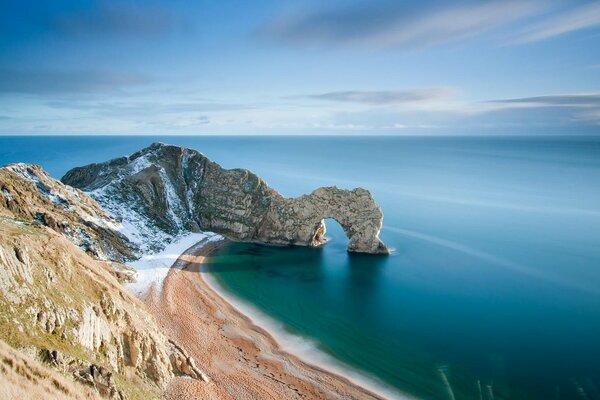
column 302, row 347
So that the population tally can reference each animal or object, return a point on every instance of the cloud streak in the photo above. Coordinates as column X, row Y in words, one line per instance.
column 396, row 24
column 145, row 108
column 65, row 82
column 385, row 97
column 563, row 100
column 582, row 17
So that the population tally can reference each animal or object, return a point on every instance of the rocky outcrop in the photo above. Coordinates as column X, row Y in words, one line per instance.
column 302, row 220
column 28, row 193
column 24, row 377
column 61, row 300
column 93, row 375
column 163, row 191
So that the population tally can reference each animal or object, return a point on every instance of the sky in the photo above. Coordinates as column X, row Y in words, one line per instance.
column 282, row 67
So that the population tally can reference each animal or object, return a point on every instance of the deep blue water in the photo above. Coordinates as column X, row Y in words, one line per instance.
column 495, row 278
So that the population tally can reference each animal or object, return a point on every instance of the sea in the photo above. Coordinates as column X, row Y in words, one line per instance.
column 492, row 290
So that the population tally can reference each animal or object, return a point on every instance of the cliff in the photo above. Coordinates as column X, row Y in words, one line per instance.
column 61, row 302
column 163, row 191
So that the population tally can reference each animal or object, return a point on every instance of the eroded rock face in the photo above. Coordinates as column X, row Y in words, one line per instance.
column 27, row 192
column 172, row 190
column 60, row 296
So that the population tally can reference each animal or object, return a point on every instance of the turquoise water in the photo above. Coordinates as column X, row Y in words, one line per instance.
column 495, row 278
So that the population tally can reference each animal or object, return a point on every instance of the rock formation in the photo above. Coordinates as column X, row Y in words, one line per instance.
column 61, row 301
column 29, row 193
column 24, row 377
column 163, row 191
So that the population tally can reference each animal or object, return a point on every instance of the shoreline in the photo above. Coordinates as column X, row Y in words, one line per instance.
column 242, row 358
column 287, row 343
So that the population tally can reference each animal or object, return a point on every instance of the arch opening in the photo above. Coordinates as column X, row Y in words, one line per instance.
column 329, row 229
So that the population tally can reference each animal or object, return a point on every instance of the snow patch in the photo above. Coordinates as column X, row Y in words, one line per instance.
column 56, row 198
column 129, row 211
column 25, row 171
column 7, row 194
column 139, row 164
column 103, row 222
column 174, row 206
column 192, row 184
column 152, row 269
column 136, row 227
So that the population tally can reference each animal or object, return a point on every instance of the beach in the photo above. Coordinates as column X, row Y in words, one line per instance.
column 241, row 360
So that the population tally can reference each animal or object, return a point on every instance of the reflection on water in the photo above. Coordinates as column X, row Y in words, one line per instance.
column 493, row 290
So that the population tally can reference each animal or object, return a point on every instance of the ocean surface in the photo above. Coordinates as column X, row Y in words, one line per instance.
column 493, row 288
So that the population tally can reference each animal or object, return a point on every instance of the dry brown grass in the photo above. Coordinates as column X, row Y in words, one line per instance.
column 22, row 377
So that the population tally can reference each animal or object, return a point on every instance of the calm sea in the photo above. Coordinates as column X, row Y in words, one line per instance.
column 493, row 290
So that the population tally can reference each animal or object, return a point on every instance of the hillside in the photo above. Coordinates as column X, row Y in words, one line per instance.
column 62, row 305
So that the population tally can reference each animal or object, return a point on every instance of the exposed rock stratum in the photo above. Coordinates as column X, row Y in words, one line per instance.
column 62, row 304
column 163, row 191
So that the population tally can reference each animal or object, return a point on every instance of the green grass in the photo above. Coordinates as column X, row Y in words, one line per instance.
column 135, row 390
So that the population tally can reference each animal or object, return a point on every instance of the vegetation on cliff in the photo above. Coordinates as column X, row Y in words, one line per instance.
column 61, row 301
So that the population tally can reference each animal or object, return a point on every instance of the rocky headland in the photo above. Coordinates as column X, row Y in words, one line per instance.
column 69, row 328
column 163, row 190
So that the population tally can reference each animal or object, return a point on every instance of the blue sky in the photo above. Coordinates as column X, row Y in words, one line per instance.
column 291, row 67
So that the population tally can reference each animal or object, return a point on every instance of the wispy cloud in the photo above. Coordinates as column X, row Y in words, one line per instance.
column 139, row 108
column 61, row 82
column 540, row 114
column 582, row 17
column 385, row 23
column 565, row 100
column 385, row 97
column 571, row 109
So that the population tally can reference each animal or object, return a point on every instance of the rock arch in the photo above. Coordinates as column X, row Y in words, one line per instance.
column 301, row 220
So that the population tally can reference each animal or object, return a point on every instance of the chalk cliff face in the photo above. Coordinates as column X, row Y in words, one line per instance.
column 61, row 301
column 163, row 191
